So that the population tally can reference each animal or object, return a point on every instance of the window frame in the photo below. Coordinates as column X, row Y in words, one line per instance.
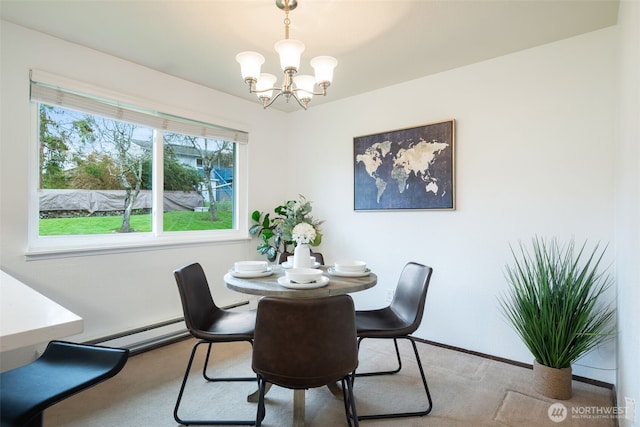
column 44, row 247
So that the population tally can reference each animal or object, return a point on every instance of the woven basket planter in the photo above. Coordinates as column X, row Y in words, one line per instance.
column 552, row 382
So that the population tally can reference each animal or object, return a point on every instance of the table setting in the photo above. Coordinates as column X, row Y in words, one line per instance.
column 262, row 278
column 251, row 269
column 349, row 269
column 303, row 278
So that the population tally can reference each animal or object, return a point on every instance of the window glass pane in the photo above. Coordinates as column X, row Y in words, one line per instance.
column 198, row 183
column 95, row 174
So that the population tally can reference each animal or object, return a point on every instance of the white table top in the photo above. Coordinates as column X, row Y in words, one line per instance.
column 28, row 318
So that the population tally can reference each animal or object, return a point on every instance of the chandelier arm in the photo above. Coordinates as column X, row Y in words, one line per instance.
column 300, row 102
column 323, row 92
column 254, row 90
column 272, row 100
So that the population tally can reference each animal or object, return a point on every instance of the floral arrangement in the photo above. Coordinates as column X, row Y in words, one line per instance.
column 303, row 233
column 295, row 212
column 278, row 232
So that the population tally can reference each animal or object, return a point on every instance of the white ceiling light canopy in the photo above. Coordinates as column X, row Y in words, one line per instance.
column 300, row 87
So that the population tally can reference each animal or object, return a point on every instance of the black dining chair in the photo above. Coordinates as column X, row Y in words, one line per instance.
column 317, row 255
column 209, row 324
column 306, row 343
column 63, row 370
column 398, row 321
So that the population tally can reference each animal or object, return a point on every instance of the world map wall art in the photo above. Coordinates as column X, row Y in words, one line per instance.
column 410, row 168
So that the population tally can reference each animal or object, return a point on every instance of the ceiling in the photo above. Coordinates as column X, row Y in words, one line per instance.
column 378, row 43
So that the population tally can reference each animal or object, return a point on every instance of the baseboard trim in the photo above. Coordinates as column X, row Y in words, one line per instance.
column 151, row 337
column 511, row 362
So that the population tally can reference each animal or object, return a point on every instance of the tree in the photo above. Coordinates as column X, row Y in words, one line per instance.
column 117, row 140
column 177, row 176
column 95, row 172
column 53, row 150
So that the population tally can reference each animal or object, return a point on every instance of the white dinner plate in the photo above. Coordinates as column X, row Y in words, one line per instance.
column 251, row 274
column 333, row 272
column 284, row 281
column 287, row 265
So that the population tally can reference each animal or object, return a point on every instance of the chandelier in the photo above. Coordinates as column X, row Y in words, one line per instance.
column 300, row 87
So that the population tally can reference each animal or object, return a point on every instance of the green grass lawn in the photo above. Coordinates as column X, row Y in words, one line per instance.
column 173, row 221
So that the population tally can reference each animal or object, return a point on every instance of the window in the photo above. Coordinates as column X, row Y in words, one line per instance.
column 114, row 176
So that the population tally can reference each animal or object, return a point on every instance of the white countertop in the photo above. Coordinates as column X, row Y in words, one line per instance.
column 28, row 318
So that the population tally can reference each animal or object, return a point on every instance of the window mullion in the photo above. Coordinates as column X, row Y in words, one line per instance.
column 158, row 182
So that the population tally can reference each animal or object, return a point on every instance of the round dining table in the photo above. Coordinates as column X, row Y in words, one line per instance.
column 269, row 284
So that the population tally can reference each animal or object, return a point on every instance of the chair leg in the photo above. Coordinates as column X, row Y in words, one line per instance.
column 426, row 389
column 261, row 412
column 213, row 379
column 394, row 371
column 184, row 383
column 349, row 400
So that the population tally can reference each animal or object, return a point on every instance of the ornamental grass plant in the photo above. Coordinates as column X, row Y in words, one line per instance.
column 554, row 302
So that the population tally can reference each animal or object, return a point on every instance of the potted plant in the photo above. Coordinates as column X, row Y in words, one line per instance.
column 555, row 305
column 276, row 232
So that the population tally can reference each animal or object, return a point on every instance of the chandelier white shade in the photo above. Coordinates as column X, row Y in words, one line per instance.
column 250, row 63
column 304, row 84
column 323, row 67
column 300, row 87
column 290, row 52
column 265, row 84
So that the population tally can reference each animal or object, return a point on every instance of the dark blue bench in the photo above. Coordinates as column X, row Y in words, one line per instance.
column 63, row 370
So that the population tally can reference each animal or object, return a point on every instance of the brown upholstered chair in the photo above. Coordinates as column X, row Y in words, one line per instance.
column 398, row 321
column 210, row 324
column 305, row 343
column 317, row 255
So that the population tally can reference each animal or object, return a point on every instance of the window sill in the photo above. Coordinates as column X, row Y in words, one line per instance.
column 69, row 247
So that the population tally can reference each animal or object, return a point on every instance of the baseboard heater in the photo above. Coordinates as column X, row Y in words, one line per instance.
column 150, row 337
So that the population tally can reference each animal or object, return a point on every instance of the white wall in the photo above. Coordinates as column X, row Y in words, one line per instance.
column 126, row 290
column 628, row 207
column 534, row 155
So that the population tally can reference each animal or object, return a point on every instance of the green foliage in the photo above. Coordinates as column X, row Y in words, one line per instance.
column 177, row 176
column 554, row 301
column 180, row 177
column 275, row 232
column 292, row 213
column 53, row 151
column 98, row 172
column 266, row 230
column 95, row 172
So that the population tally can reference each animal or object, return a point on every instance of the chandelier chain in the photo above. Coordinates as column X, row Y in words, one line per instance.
column 287, row 21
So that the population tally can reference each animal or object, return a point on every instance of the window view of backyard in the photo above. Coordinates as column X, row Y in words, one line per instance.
column 97, row 177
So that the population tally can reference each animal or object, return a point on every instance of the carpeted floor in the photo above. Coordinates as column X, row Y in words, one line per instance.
column 467, row 390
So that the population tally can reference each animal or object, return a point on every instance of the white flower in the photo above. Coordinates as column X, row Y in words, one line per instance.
column 303, row 233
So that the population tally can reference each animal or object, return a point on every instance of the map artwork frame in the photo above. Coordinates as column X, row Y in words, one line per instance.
column 412, row 168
